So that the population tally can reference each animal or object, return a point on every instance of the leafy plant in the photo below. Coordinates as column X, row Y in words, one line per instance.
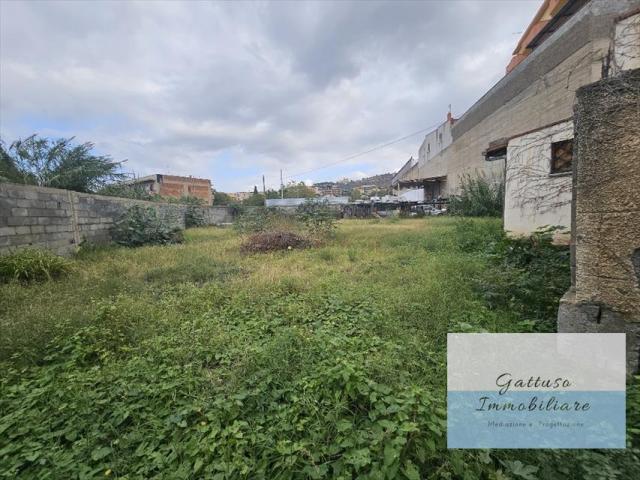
column 221, row 198
column 529, row 275
column 57, row 163
column 479, row 197
column 253, row 220
column 31, row 265
column 123, row 190
column 141, row 226
column 318, row 218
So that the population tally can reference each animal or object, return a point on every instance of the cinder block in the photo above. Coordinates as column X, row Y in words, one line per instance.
column 17, row 212
column 22, row 240
column 19, row 221
column 8, row 203
column 31, row 195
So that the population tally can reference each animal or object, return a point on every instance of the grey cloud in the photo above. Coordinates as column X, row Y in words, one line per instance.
column 173, row 85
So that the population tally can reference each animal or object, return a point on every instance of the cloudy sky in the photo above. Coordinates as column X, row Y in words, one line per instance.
column 230, row 91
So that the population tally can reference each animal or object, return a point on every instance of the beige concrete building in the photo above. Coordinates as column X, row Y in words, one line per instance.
column 411, row 175
column 571, row 46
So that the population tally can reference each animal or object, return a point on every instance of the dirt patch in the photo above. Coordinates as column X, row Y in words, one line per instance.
column 272, row 241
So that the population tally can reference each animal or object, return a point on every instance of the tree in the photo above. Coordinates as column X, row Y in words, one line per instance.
column 255, row 190
column 221, row 198
column 298, row 190
column 355, row 195
column 125, row 190
column 255, row 200
column 57, row 163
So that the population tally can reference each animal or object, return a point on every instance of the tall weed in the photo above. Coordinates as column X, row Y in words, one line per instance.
column 32, row 265
column 479, row 197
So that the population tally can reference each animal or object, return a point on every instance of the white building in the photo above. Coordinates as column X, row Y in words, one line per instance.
column 538, row 181
column 410, row 178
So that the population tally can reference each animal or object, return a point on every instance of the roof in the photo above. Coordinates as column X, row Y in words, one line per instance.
column 551, row 15
column 157, row 177
column 560, row 16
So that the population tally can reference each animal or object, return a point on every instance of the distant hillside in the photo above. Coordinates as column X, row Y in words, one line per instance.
column 382, row 181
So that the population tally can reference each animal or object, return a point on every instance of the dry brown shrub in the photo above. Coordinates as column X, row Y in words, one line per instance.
column 274, row 240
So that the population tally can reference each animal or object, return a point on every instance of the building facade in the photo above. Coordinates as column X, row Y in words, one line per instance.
column 176, row 187
column 568, row 45
column 330, row 189
column 240, row 196
column 538, row 181
column 411, row 175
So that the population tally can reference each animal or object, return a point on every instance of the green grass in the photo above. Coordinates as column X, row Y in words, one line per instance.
column 194, row 361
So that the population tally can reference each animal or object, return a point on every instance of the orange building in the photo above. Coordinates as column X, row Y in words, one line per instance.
column 176, row 186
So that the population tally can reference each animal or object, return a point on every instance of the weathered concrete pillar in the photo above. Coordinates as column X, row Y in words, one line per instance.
column 605, row 295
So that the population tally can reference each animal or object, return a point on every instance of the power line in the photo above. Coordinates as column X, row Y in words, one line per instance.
column 356, row 155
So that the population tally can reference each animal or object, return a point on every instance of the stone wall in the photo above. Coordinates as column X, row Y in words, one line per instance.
column 60, row 220
column 605, row 295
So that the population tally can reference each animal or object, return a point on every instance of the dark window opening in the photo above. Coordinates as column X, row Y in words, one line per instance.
column 496, row 154
column 561, row 156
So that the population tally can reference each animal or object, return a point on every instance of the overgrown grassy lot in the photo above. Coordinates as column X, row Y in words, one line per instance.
column 196, row 361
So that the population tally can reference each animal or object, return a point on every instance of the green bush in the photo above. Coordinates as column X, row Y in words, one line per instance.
column 528, row 276
column 32, row 265
column 141, row 226
column 475, row 235
column 525, row 276
column 124, row 190
column 253, row 220
column 258, row 220
column 318, row 218
column 479, row 197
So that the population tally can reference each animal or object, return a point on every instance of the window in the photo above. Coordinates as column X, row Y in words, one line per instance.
column 561, row 156
column 497, row 150
column 499, row 153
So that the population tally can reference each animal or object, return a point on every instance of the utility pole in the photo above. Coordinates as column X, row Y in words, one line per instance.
column 264, row 188
column 281, row 185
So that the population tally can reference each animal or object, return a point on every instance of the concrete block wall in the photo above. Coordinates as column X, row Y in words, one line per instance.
column 59, row 220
